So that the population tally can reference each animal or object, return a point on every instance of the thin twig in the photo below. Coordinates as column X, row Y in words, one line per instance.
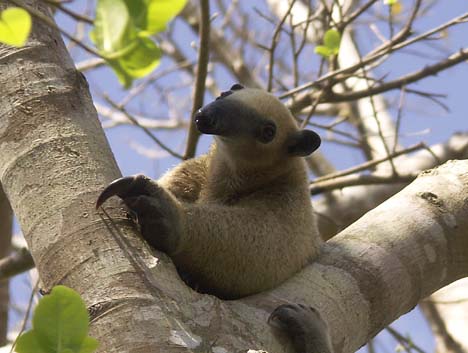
column 374, row 55
column 430, row 70
column 407, row 343
column 431, row 96
column 370, row 164
column 379, row 125
column 314, row 107
column 399, row 116
column 26, row 315
column 357, row 179
column 350, row 19
column 335, row 131
column 202, row 70
column 145, row 130
column 274, row 43
column 135, row 91
column 76, row 16
column 224, row 50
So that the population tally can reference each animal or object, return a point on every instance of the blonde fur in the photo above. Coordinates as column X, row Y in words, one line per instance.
column 246, row 217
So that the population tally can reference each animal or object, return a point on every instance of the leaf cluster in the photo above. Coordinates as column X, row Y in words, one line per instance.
column 122, row 31
column 331, row 44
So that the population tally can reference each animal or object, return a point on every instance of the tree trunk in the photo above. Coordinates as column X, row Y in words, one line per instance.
column 54, row 160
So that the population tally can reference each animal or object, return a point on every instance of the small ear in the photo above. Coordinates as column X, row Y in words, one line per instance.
column 236, row 87
column 303, row 142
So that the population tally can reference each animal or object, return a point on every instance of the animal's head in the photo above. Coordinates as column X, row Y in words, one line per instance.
column 253, row 124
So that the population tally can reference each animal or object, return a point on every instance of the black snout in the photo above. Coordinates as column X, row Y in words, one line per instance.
column 215, row 118
column 206, row 123
column 229, row 117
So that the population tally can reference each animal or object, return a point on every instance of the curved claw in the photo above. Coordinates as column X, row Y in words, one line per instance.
column 119, row 187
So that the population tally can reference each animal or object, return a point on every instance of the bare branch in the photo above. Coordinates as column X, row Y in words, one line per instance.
column 274, row 43
column 358, row 12
column 223, row 50
column 202, row 69
column 18, row 262
column 145, row 130
column 304, row 99
column 407, row 344
column 74, row 15
column 354, row 180
column 89, row 64
column 430, row 70
column 116, row 118
column 370, row 164
column 439, row 328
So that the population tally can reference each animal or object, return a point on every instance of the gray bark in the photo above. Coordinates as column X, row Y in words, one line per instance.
column 54, row 160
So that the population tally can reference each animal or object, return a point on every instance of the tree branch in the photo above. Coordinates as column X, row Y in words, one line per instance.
column 17, row 262
column 202, row 69
column 430, row 70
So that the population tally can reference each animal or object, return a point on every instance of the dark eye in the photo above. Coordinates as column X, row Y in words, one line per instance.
column 267, row 133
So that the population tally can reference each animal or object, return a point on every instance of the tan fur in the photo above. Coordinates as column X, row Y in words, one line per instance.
column 247, row 220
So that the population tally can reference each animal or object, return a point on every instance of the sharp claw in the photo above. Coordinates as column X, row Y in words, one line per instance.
column 119, row 187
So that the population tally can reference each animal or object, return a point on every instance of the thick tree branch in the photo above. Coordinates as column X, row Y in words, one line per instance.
column 371, row 273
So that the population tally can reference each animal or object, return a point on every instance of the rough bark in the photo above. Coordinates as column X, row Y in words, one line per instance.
column 54, row 160
column 6, row 222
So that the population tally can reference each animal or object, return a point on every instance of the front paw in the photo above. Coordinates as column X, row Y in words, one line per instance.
column 305, row 327
column 154, row 209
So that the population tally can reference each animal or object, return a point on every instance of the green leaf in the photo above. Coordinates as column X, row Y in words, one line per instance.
column 124, row 42
column 125, row 79
column 332, row 40
column 160, row 12
column 61, row 320
column 390, row 2
column 60, row 325
column 138, row 62
column 138, row 10
column 28, row 343
column 143, row 59
column 89, row 345
column 15, row 26
column 112, row 26
column 323, row 51
column 331, row 44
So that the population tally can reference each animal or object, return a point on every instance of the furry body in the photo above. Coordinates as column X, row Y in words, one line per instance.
column 237, row 220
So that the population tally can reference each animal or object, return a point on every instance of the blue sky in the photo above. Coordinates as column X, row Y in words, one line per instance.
column 422, row 120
